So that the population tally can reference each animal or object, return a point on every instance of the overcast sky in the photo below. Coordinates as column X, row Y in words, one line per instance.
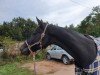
column 61, row 12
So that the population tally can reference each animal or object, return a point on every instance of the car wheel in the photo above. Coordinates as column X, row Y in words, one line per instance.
column 48, row 57
column 65, row 60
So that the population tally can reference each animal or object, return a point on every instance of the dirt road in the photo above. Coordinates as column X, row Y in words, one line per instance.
column 51, row 68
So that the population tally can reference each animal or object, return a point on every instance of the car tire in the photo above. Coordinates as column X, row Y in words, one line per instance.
column 48, row 57
column 65, row 60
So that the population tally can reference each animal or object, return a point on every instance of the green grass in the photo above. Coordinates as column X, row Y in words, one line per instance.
column 14, row 69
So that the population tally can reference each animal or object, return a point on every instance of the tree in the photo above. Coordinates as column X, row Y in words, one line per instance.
column 91, row 24
column 18, row 29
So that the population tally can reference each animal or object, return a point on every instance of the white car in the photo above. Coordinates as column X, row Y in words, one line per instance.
column 58, row 53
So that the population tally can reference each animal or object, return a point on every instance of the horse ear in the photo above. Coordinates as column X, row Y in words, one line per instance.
column 40, row 23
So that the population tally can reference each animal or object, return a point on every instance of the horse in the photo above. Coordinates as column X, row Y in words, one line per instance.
column 81, row 47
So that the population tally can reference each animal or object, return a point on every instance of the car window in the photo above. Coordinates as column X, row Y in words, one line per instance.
column 53, row 48
column 59, row 48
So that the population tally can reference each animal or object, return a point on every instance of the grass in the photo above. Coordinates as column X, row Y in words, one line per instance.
column 14, row 69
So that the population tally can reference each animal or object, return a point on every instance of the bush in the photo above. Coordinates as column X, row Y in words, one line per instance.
column 41, row 55
column 10, row 54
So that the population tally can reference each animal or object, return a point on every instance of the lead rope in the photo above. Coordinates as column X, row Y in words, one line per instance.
column 34, row 60
column 34, row 57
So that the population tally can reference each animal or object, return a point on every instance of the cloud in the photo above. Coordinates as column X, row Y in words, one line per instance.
column 61, row 12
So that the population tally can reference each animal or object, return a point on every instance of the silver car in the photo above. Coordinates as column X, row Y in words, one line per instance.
column 58, row 53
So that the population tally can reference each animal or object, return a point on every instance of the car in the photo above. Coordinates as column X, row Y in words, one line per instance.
column 57, row 52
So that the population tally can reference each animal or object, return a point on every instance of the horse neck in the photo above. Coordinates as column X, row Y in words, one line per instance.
column 63, row 39
column 77, row 45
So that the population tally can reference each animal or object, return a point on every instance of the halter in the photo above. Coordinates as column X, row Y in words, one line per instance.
column 39, row 42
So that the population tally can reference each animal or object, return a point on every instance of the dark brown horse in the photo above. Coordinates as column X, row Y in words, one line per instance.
column 82, row 48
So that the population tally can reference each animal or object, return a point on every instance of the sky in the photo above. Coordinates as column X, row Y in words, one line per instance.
column 61, row 12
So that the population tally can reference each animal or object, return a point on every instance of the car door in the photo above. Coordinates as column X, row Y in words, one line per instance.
column 58, row 53
column 53, row 52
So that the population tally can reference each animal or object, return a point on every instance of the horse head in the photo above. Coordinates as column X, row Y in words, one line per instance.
column 40, row 39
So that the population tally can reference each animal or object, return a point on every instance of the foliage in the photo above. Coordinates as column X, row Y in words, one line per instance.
column 18, row 29
column 5, row 44
column 41, row 55
column 91, row 24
